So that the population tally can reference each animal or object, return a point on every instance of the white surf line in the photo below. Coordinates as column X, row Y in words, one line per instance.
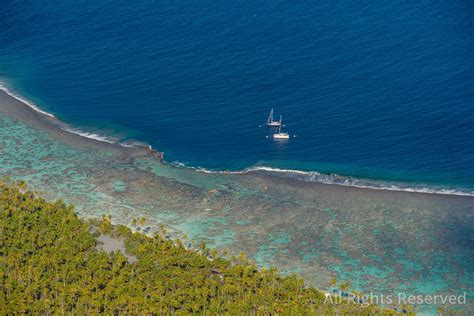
column 93, row 136
column 65, row 128
column 23, row 100
column 346, row 182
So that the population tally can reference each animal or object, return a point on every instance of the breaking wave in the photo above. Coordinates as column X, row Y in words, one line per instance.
column 4, row 88
column 335, row 179
column 63, row 126
column 94, row 136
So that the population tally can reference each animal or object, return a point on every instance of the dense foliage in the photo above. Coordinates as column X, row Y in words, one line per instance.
column 50, row 264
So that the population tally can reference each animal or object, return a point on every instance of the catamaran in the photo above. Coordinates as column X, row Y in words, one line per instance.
column 271, row 122
column 280, row 135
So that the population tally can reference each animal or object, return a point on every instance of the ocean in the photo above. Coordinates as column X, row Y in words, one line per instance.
column 367, row 89
column 377, row 95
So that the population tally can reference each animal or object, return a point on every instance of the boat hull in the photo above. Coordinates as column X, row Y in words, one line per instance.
column 281, row 136
column 273, row 124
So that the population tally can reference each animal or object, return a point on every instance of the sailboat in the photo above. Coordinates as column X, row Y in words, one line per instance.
column 271, row 122
column 280, row 135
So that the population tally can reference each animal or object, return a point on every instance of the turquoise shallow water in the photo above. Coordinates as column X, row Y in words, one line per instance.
column 381, row 241
column 371, row 90
column 378, row 93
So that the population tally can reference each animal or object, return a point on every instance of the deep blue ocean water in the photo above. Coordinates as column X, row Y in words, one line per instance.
column 371, row 89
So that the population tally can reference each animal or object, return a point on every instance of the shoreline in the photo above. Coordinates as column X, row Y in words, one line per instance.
column 315, row 229
column 20, row 108
column 345, row 181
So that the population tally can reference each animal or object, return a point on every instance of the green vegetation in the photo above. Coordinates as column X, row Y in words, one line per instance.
column 50, row 264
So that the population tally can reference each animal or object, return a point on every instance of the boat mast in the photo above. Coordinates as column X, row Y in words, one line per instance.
column 279, row 126
column 270, row 117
